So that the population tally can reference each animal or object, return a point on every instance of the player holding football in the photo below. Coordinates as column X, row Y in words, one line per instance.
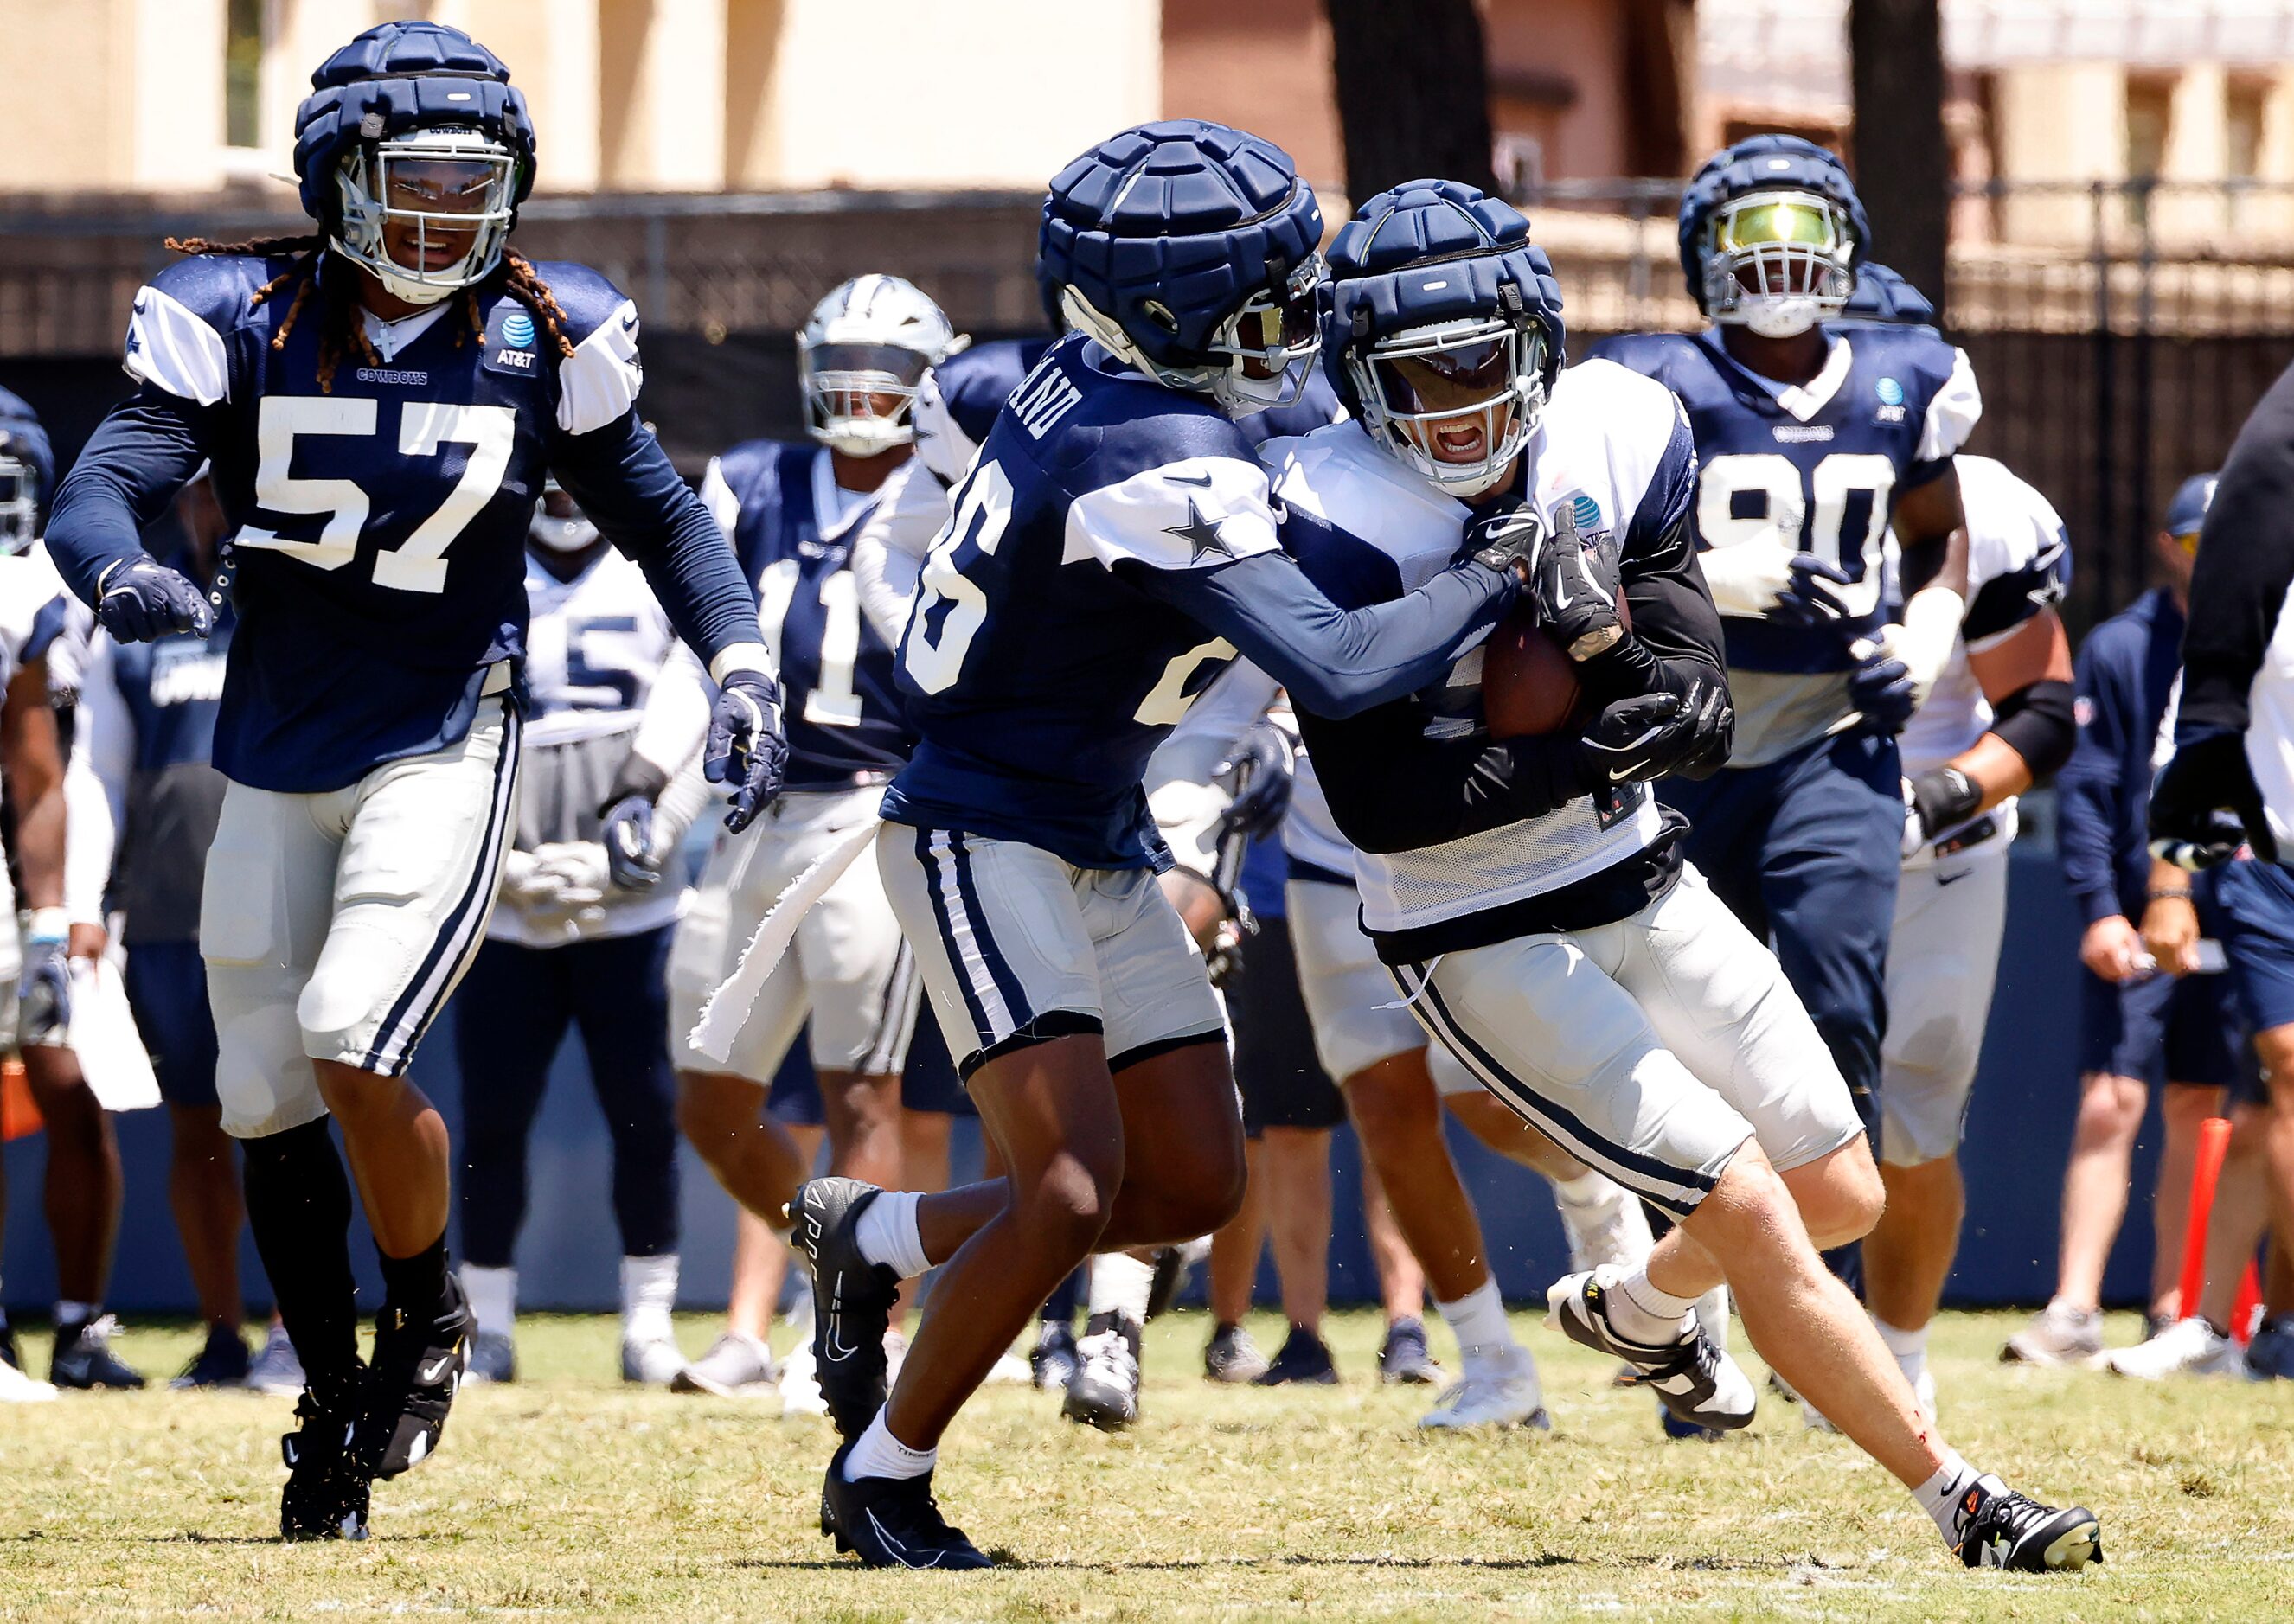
column 1812, row 443
column 1531, row 896
column 381, row 401
column 1112, row 547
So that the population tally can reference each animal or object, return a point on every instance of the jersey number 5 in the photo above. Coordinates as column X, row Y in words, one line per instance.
column 425, row 428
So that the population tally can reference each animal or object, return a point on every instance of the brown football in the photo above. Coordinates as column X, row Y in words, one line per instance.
column 1529, row 686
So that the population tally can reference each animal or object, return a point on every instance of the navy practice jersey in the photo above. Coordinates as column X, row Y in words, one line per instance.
column 145, row 728
column 791, row 528
column 957, row 403
column 1111, row 548
column 380, row 521
column 1816, row 467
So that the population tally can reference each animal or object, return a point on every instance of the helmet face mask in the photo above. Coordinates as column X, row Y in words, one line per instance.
column 1261, row 352
column 1778, row 262
column 427, row 213
column 19, row 504
column 861, row 357
column 1457, row 400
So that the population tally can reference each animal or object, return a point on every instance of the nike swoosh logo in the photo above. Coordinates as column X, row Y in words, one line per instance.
column 435, row 1372
column 1204, row 481
column 1618, row 775
column 1561, row 599
column 1954, row 879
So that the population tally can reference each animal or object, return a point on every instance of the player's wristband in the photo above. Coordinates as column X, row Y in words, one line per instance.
column 48, row 925
column 2169, row 893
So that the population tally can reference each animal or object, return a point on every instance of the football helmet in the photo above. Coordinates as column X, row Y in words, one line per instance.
column 1188, row 250
column 27, row 469
column 873, row 339
column 1442, row 330
column 413, row 153
column 1771, row 234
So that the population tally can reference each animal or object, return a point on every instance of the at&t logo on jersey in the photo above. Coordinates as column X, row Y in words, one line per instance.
column 1892, row 401
column 515, row 353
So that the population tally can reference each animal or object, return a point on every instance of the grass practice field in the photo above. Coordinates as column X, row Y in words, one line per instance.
column 572, row 1496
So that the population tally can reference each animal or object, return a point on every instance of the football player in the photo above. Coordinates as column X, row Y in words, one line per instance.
column 569, row 946
column 1531, row 896
column 1998, row 718
column 83, row 1180
column 381, row 401
column 1111, row 547
column 28, row 471
column 1813, row 443
column 792, row 510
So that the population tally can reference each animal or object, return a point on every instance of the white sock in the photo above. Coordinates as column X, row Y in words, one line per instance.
column 649, row 1293
column 68, row 1313
column 493, row 1298
column 1940, row 1496
column 1642, row 1312
column 1909, row 1347
column 1478, row 1321
column 888, row 1235
column 1119, row 1284
column 879, row 1454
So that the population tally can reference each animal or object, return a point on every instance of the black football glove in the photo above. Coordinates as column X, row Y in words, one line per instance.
column 1637, row 740
column 747, row 746
column 1506, row 538
column 1260, row 766
column 1575, row 585
column 2203, row 800
column 1881, row 686
column 1808, row 599
column 140, row 599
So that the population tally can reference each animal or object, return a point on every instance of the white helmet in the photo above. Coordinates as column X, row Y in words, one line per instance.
column 873, row 336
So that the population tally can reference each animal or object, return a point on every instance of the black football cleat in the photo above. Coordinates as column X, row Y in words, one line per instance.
column 2000, row 1528
column 83, row 1358
column 852, row 1299
column 418, row 1367
column 222, row 1361
column 326, row 1493
column 891, row 1522
column 1304, row 1359
column 1694, row 1376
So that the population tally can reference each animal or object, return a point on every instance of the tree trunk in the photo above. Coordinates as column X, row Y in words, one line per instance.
column 1900, row 153
column 1414, row 92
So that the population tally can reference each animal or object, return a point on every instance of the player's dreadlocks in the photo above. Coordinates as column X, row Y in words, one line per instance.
column 343, row 327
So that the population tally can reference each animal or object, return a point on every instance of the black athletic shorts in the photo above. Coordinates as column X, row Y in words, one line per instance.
column 1283, row 1086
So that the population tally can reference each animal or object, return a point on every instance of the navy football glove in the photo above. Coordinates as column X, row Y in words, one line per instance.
column 140, row 599
column 2206, row 779
column 747, row 747
column 1808, row 599
column 626, row 833
column 1881, row 686
column 44, row 991
column 1263, row 792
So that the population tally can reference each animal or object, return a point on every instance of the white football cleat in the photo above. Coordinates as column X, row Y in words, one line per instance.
column 17, row 1388
column 1499, row 1392
column 2188, row 1347
column 650, row 1362
column 799, row 1381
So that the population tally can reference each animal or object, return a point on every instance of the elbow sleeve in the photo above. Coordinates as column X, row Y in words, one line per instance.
column 2038, row 723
